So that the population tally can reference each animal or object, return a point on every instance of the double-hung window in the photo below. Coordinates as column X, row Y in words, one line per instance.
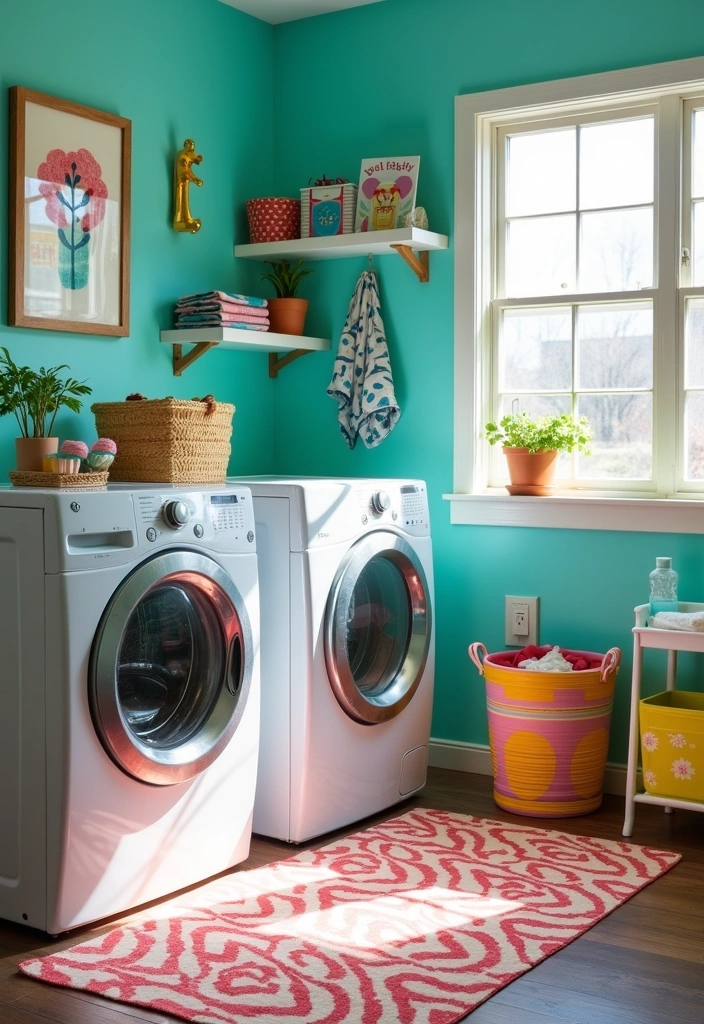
column 579, row 284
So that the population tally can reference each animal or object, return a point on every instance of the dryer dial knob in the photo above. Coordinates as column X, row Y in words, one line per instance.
column 381, row 501
column 176, row 514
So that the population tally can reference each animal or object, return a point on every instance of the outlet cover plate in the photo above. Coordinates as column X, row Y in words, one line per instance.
column 527, row 606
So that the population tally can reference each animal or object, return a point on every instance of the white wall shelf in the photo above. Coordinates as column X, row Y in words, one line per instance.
column 406, row 241
column 205, row 338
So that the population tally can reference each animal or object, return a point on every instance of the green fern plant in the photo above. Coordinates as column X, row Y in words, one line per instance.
column 286, row 277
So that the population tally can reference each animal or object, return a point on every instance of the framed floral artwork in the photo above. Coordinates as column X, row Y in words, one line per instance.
column 69, row 216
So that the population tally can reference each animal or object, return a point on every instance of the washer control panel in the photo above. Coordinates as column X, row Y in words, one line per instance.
column 227, row 511
column 414, row 505
column 395, row 502
column 221, row 519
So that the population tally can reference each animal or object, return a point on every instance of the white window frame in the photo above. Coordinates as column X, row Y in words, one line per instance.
column 477, row 117
column 501, row 302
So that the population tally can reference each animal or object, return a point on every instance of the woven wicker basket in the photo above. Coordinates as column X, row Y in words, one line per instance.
column 65, row 481
column 167, row 440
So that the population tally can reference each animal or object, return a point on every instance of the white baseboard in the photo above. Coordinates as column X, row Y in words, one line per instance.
column 475, row 758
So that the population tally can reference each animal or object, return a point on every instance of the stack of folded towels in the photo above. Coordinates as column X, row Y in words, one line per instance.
column 221, row 309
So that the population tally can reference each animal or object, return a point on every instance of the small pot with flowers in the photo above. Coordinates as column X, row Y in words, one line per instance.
column 531, row 446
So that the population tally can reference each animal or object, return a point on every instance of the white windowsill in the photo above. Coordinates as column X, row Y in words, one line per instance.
column 566, row 512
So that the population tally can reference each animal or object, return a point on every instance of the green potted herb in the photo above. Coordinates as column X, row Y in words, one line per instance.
column 34, row 397
column 287, row 314
column 531, row 446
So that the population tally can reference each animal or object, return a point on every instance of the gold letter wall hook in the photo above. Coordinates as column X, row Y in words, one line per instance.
column 183, row 176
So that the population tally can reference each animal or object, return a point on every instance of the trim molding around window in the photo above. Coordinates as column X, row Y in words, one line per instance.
column 478, row 116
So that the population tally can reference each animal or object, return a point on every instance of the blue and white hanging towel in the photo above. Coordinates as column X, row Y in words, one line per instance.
column 361, row 382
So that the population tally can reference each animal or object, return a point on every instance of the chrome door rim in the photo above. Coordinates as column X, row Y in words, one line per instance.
column 400, row 691
column 160, row 766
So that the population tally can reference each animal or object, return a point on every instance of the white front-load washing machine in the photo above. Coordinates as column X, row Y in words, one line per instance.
column 129, row 678
column 346, row 578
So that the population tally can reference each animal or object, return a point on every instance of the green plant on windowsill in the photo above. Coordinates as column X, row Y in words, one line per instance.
column 546, row 433
column 531, row 446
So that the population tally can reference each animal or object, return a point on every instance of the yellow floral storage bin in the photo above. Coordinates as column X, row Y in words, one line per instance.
column 672, row 744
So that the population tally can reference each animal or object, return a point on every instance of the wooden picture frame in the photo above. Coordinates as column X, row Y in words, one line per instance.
column 69, row 216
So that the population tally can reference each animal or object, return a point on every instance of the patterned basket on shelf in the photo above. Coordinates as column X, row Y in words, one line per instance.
column 275, row 219
column 167, row 440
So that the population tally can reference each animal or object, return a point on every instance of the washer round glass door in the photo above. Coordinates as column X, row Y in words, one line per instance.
column 170, row 668
column 377, row 628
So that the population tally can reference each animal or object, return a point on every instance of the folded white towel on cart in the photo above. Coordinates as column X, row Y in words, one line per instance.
column 692, row 622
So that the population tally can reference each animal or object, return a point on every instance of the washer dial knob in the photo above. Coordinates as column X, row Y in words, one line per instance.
column 176, row 514
column 380, row 501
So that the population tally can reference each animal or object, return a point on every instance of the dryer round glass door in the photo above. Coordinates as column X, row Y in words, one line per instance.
column 377, row 628
column 170, row 668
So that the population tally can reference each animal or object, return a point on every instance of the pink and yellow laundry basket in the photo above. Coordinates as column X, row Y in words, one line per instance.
column 549, row 733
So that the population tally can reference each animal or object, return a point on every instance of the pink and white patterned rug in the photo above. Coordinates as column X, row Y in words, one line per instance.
column 416, row 920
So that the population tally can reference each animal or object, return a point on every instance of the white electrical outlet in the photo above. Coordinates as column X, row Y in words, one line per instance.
column 521, row 621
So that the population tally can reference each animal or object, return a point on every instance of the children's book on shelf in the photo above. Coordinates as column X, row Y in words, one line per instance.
column 387, row 192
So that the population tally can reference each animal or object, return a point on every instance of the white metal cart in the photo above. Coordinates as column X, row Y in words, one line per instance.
column 672, row 641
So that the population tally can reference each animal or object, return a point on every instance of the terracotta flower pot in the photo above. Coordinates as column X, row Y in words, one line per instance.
column 29, row 452
column 287, row 316
column 530, row 472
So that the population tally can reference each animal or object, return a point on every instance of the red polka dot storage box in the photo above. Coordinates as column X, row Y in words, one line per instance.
column 275, row 219
column 548, row 732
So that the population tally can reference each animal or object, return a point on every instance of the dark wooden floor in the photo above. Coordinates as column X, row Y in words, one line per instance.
column 644, row 964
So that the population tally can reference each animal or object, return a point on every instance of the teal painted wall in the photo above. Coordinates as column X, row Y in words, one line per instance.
column 176, row 68
column 381, row 80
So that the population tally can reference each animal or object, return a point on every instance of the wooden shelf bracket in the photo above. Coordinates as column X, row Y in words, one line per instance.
column 276, row 364
column 182, row 362
column 419, row 266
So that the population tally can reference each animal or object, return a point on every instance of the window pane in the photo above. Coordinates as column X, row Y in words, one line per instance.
column 617, row 251
column 694, row 344
column 698, row 154
column 540, row 256
column 698, row 267
column 536, row 349
column 542, row 173
column 622, row 445
column 694, row 436
column 536, row 405
column 616, row 164
column 615, row 346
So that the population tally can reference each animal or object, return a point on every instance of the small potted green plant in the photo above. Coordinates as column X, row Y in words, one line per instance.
column 287, row 314
column 34, row 397
column 531, row 446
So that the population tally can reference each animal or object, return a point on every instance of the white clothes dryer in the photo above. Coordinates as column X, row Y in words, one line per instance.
column 346, row 580
column 129, row 632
